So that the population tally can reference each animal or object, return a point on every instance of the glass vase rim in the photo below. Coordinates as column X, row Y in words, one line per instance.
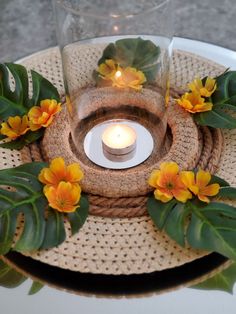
column 111, row 15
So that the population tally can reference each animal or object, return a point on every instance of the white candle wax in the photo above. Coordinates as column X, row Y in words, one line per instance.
column 119, row 139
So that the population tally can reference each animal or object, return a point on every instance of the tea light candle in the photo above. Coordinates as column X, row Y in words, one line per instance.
column 119, row 139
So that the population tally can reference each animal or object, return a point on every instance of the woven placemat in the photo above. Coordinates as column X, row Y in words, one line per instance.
column 127, row 245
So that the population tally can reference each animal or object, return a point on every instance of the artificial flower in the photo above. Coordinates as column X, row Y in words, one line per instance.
column 64, row 198
column 58, row 172
column 199, row 184
column 107, row 69
column 42, row 116
column 193, row 102
column 15, row 127
column 205, row 90
column 168, row 184
column 128, row 77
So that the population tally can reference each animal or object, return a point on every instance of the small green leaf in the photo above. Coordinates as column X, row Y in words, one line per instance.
column 55, row 231
column 223, row 281
column 78, row 218
column 158, row 211
column 9, row 278
column 35, row 288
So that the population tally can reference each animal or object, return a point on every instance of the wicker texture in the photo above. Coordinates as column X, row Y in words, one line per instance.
column 127, row 245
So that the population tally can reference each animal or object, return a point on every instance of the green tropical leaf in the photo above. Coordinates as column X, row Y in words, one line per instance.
column 78, row 218
column 17, row 101
column 55, row 230
column 159, row 211
column 138, row 53
column 26, row 139
column 42, row 227
column 209, row 227
column 216, row 118
column 9, row 108
column 220, row 181
column 9, row 278
column 223, row 281
column 226, row 87
column 5, row 84
column 42, row 89
column 35, row 288
column 213, row 228
column 227, row 192
column 21, row 88
column 175, row 223
column 25, row 197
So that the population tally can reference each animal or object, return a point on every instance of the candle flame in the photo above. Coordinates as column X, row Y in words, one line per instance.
column 118, row 74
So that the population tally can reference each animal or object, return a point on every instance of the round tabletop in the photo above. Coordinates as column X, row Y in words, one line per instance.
column 50, row 301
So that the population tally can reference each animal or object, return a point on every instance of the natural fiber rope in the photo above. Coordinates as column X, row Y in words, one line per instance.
column 208, row 157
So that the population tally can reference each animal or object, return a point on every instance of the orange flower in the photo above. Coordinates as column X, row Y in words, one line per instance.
column 128, row 77
column 15, row 127
column 42, row 116
column 198, row 184
column 168, row 184
column 193, row 102
column 64, row 198
column 107, row 69
column 204, row 90
column 58, row 172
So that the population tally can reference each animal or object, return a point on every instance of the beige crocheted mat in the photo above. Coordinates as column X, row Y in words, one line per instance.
column 115, row 245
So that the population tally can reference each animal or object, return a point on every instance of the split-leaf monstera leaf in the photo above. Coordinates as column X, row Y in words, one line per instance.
column 15, row 100
column 222, row 114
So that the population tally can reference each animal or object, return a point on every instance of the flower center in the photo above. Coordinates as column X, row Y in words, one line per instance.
column 169, row 185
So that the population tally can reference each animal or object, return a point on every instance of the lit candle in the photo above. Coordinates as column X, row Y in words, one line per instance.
column 119, row 139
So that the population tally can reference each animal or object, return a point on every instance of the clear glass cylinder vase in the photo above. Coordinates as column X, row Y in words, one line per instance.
column 116, row 58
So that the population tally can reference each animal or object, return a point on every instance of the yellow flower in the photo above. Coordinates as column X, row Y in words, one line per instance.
column 128, row 77
column 168, row 184
column 193, row 102
column 64, row 198
column 15, row 127
column 42, row 116
column 58, row 172
column 204, row 90
column 198, row 184
column 107, row 69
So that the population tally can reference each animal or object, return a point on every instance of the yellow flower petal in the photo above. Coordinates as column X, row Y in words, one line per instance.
column 182, row 195
column 74, row 173
column 170, row 168
column 202, row 178
column 64, row 197
column 14, row 127
column 211, row 190
column 42, row 116
column 162, row 196
column 188, row 178
column 152, row 181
